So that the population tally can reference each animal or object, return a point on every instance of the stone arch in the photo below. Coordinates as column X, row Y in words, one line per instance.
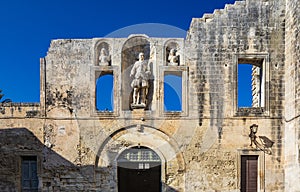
column 137, row 135
column 129, row 55
column 166, row 147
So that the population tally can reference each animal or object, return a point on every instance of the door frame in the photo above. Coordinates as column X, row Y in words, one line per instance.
column 260, row 165
column 162, row 164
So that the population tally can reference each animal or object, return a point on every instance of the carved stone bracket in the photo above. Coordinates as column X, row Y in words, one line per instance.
column 264, row 143
column 139, row 128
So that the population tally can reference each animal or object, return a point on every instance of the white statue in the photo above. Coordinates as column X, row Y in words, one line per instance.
column 104, row 58
column 140, row 73
column 173, row 58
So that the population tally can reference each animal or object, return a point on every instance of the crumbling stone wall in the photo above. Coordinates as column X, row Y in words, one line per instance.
column 291, row 120
column 214, row 42
column 201, row 147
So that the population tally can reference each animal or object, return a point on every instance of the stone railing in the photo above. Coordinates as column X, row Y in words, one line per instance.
column 19, row 110
column 250, row 111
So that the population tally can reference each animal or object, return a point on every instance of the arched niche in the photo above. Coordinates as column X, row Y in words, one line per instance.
column 130, row 53
column 168, row 47
column 99, row 46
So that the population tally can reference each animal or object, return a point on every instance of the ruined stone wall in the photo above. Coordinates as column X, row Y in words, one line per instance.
column 90, row 140
column 215, row 41
column 291, row 120
column 69, row 62
column 201, row 146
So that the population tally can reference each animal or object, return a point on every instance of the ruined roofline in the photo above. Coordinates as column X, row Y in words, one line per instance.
column 207, row 17
column 61, row 40
column 147, row 30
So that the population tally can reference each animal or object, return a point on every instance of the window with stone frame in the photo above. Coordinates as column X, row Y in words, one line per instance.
column 105, row 91
column 252, row 85
column 173, row 91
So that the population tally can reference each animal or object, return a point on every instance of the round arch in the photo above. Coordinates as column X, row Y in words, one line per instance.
column 144, row 136
column 129, row 55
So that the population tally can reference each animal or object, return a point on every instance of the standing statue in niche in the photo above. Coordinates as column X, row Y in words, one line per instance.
column 140, row 73
column 173, row 58
column 104, row 58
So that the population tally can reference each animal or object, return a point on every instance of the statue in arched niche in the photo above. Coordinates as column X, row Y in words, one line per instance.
column 140, row 73
column 173, row 58
column 104, row 58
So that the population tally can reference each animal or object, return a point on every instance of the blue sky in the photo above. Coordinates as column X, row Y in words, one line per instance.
column 27, row 27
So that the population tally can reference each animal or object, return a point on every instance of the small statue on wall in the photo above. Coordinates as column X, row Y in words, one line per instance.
column 104, row 58
column 140, row 73
column 173, row 58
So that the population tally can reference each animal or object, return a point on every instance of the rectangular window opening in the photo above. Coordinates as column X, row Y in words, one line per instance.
column 173, row 91
column 105, row 92
column 251, row 84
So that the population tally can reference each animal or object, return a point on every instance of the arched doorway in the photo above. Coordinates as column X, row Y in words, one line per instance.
column 139, row 169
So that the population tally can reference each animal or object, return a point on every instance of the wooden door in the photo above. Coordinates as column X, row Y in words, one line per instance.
column 139, row 170
column 249, row 173
column 134, row 179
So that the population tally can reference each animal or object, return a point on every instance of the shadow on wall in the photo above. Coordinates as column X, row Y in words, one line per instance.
column 14, row 143
column 18, row 146
column 26, row 162
column 168, row 188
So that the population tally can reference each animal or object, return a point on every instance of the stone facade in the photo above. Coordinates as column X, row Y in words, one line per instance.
column 202, row 146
